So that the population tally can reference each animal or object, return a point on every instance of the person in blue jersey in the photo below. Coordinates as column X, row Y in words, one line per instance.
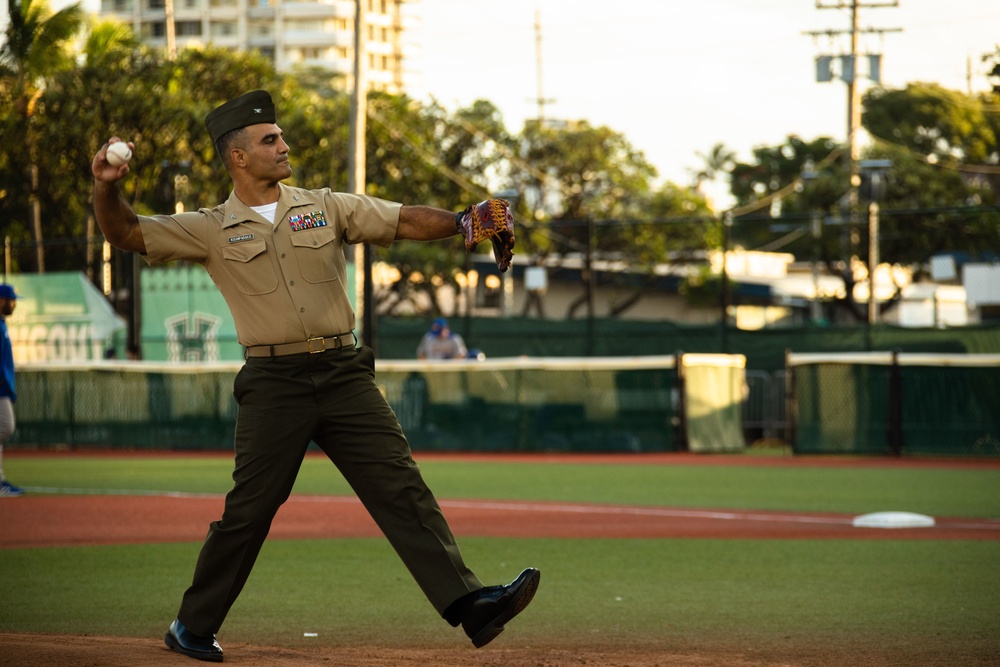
column 8, row 390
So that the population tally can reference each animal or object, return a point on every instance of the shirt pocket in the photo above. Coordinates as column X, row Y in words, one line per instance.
column 315, row 251
column 249, row 267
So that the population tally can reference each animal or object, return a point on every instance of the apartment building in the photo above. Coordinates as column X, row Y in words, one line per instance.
column 293, row 33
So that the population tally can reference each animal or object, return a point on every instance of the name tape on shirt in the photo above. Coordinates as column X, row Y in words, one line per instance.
column 241, row 237
column 307, row 221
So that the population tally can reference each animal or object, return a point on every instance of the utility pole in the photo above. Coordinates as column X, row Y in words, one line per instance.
column 540, row 100
column 168, row 10
column 849, row 75
column 356, row 176
column 359, row 104
column 849, row 62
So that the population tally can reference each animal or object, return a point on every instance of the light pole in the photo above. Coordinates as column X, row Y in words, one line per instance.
column 809, row 174
column 816, row 307
column 873, row 171
column 356, row 178
column 727, row 225
column 507, row 280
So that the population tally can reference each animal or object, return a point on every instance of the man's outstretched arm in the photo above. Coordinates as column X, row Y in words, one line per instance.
column 425, row 223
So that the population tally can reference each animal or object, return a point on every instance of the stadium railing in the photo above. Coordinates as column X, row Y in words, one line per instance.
column 614, row 404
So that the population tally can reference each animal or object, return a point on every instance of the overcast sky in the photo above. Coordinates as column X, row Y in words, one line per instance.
column 678, row 77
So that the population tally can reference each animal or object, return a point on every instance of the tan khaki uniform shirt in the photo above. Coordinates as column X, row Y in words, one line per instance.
column 284, row 283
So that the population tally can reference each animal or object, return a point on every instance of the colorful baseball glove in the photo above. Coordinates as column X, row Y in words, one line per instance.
column 490, row 219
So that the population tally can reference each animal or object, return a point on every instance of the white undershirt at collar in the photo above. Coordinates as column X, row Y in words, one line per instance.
column 267, row 210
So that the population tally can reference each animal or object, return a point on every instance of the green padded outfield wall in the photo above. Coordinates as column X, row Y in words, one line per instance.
column 950, row 410
column 898, row 405
column 841, row 409
column 519, row 405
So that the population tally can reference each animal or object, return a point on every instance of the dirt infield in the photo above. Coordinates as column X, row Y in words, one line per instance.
column 27, row 650
column 58, row 521
column 40, row 520
column 77, row 520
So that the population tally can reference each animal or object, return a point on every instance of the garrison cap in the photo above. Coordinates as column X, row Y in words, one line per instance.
column 248, row 109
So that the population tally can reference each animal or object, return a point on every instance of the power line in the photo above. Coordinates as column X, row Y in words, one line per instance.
column 457, row 179
column 936, row 162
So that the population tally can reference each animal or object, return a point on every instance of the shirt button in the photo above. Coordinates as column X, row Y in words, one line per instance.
column 292, row 283
column 282, row 255
column 302, row 310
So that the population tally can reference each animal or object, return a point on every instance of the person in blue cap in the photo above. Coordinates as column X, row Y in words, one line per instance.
column 441, row 343
column 8, row 392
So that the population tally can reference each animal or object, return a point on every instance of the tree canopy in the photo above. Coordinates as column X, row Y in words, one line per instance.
column 575, row 187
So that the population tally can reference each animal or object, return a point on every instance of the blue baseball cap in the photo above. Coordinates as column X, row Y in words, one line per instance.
column 7, row 292
column 439, row 324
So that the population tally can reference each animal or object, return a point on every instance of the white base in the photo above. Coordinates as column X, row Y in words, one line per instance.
column 893, row 520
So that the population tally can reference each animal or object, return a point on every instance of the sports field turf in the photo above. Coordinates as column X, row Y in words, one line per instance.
column 635, row 601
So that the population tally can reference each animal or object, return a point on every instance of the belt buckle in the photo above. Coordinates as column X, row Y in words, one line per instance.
column 309, row 345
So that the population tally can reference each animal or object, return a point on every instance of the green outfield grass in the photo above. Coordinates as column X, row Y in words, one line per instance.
column 938, row 492
column 640, row 592
column 944, row 595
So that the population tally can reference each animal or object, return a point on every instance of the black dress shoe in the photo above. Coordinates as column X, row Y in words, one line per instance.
column 184, row 641
column 495, row 605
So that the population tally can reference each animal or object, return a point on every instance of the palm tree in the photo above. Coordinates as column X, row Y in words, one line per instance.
column 720, row 160
column 36, row 45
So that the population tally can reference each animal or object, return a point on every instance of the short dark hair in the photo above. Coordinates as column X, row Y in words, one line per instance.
column 233, row 139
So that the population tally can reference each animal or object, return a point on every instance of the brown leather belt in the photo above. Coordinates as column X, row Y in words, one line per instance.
column 312, row 346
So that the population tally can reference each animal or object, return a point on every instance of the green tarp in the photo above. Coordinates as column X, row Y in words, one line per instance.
column 60, row 317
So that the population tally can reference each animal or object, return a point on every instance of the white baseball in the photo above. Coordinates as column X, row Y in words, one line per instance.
column 119, row 153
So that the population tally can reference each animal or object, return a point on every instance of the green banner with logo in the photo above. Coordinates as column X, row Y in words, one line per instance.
column 184, row 317
column 60, row 317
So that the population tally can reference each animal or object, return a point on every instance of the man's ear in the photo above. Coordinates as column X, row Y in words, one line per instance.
column 238, row 157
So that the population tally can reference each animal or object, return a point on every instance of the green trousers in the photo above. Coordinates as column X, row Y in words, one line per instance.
column 331, row 399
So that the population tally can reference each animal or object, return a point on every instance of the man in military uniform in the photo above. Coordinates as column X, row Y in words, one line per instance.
column 276, row 254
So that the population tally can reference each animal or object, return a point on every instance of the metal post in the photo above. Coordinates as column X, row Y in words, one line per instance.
column 791, row 406
column 590, row 286
column 895, row 427
column 816, row 308
column 872, row 259
column 356, row 175
column 680, row 404
column 727, row 224
column 506, row 278
column 874, row 170
column 7, row 258
column 134, row 339
column 36, row 217
column 168, row 11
